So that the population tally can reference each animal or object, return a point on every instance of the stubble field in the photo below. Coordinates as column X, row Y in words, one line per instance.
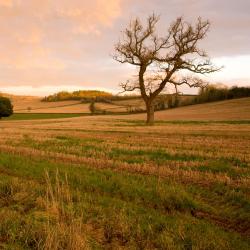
column 110, row 182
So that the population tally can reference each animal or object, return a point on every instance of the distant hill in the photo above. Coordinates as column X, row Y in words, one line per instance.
column 105, row 103
column 235, row 109
column 34, row 104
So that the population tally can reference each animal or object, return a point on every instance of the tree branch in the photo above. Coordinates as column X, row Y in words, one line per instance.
column 168, row 55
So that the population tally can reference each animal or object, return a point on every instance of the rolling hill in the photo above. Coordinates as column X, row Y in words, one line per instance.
column 34, row 104
column 236, row 109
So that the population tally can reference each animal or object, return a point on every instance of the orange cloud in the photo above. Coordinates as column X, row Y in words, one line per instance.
column 28, row 28
column 6, row 3
column 88, row 17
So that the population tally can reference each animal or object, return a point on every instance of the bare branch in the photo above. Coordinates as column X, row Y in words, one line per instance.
column 192, row 82
column 205, row 67
column 128, row 86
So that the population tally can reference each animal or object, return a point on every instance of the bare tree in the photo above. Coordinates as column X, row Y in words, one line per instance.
column 160, row 60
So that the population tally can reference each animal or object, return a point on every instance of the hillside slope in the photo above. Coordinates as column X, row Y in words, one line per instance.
column 236, row 109
column 34, row 104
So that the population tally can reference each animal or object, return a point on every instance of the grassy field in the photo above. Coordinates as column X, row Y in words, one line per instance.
column 110, row 182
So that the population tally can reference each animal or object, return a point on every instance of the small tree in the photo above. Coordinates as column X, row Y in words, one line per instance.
column 160, row 60
column 6, row 108
column 92, row 107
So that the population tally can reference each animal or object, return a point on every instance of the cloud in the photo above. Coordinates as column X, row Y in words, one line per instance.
column 30, row 29
column 229, row 33
column 6, row 3
column 88, row 17
column 62, row 42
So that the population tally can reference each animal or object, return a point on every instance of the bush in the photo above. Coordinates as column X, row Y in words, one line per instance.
column 92, row 107
column 6, row 108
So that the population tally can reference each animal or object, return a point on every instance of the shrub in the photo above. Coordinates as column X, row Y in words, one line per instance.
column 92, row 107
column 6, row 108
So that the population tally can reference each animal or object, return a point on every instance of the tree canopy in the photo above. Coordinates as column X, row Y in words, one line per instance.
column 6, row 108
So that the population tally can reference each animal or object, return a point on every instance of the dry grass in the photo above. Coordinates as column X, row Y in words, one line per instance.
column 110, row 107
column 22, row 103
column 67, row 107
column 63, row 230
column 137, row 103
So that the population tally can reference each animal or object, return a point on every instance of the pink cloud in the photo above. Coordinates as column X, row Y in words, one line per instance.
column 69, row 42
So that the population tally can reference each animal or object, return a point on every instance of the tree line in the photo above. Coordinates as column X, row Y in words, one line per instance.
column 87, row 96
column 75, row 95
column 214, row 93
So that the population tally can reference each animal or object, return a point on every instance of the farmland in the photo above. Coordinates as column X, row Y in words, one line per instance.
column 34, row 105
column 110, row 182
column 31, row 104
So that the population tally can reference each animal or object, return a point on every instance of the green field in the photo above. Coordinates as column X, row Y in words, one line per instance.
column 110, row 182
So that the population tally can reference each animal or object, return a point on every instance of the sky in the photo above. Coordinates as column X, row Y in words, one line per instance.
column 52, row 45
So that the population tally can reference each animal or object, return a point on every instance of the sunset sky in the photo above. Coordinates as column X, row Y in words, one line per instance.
column 52, row 45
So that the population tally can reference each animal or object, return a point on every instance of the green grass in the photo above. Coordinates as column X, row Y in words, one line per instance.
column 92, row 147
column 136, row 211
column 35, row 116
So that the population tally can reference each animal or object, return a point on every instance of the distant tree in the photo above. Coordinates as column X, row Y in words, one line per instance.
column 212, row 93
column 218, row 92
column 159, row 60
column 6, row 108
column 238, row 92
column 92, row 107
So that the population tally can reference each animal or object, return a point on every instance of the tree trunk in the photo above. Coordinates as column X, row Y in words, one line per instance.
column 150, row 113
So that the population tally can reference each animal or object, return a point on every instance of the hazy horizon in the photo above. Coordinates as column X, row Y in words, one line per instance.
column 52, row 46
